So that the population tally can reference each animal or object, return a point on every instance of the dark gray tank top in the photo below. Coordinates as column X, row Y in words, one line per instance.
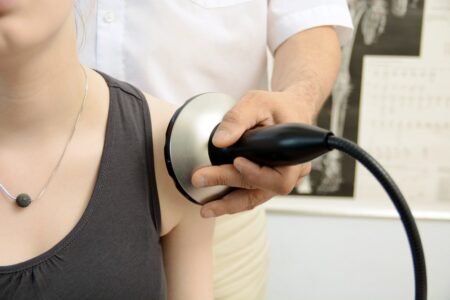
column 113, row 252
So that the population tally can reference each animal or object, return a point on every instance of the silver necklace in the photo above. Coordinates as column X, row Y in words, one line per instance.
column 23, row 199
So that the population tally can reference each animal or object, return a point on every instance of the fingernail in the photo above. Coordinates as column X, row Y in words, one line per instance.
column 220, row 135
column 207, row 213
column 201, row 181
column 238, row 167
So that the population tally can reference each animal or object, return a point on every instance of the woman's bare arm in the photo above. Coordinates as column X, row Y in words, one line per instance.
column 186, row 237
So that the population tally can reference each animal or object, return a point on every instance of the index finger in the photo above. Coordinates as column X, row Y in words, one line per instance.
column 236, row 201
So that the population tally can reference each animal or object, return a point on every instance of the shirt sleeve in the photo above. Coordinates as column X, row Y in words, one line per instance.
column 288, row 17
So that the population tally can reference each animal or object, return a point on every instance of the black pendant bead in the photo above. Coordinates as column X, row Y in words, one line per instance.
column 23, row 200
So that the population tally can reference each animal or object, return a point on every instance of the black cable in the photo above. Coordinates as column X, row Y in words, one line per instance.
column 400, row 204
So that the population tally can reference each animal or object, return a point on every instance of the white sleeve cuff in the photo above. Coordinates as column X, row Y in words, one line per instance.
column 282, row 28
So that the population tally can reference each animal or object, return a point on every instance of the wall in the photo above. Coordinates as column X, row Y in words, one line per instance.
column 318, row 257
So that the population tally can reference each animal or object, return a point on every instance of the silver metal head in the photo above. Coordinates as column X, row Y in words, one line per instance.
column 187, row 137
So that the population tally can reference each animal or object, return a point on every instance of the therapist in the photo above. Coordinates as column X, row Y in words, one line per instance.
column 177, row 49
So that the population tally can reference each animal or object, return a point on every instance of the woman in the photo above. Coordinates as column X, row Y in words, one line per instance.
column 88, row 152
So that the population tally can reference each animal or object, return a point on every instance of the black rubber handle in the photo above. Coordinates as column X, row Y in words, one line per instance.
column 278, row 145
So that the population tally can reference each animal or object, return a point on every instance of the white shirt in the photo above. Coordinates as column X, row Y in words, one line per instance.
column 174, row 49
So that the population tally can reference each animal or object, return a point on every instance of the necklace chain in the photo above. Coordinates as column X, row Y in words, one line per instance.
column 44, row 188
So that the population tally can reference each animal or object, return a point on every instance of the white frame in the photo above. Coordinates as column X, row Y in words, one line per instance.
column 351, row 207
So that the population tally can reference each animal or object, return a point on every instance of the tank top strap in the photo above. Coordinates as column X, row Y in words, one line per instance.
column 132, row 102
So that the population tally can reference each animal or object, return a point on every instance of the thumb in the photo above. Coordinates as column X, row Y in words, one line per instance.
column 227, row 134
column 235, row 122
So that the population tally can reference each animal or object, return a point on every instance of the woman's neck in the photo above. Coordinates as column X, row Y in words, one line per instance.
column 41, row 89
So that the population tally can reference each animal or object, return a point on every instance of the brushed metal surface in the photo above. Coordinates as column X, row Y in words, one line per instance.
column 188, row 142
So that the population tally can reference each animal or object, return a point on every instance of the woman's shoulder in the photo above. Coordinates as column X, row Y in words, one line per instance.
column 174, row 206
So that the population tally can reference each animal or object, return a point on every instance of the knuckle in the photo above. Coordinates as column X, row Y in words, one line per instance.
column 232, row 116
column 247, row 181
column 242, row 180
column 245, row 184
column 219, row 179
column 229, row 211
column 250, row 204
column 261, row 97
column 286, row 182
column 264, row 103
column 306, row 169
column 252, row 94
column 227, row 207
column 252, row 201
column 285, row 188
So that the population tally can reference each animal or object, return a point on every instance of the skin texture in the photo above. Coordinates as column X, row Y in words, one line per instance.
column 302, row 80
column 41, row 87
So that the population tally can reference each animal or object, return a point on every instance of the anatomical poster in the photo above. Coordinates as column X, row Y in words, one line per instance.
column 392, row 97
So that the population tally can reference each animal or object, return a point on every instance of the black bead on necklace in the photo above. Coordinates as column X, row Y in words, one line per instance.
column 23, row 200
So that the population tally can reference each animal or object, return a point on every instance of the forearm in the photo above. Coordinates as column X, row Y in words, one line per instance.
column 307, row 65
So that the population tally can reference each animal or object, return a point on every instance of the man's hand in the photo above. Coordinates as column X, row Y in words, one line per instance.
column 255, row 184
column 305, row 68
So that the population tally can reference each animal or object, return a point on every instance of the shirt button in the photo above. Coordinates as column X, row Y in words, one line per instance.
column 109, row 16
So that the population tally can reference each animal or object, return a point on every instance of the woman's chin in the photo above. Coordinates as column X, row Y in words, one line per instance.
column 6, row 6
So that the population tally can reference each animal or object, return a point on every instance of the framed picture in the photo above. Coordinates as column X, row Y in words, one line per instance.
column 392, row 97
